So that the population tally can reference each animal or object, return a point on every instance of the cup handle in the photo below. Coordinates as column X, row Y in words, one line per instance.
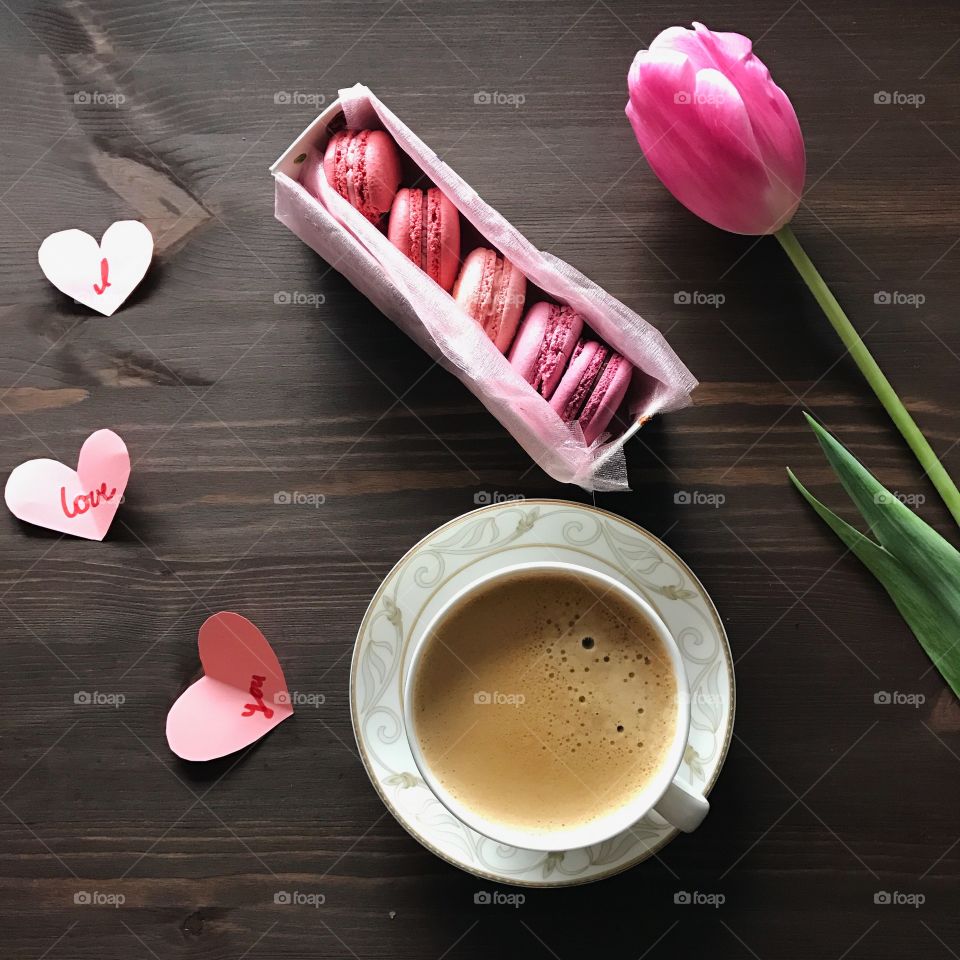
column 682, row 806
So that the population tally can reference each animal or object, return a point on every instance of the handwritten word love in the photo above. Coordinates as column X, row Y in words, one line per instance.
column 99, row 288
column 256, row 691
column 83, row 502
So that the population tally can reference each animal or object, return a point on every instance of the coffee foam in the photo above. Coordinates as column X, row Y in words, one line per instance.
column 545, row 702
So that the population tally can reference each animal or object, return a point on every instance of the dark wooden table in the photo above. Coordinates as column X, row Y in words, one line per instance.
column 168, row 111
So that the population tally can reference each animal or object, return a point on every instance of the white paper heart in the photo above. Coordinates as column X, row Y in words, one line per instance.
column 99, row 275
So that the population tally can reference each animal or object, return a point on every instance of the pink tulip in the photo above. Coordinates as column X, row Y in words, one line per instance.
column 725, row 141
column 716, row 129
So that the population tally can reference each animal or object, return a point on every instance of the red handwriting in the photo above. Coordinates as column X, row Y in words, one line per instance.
column 256, row 691
column 83, row 502
column 104, row 273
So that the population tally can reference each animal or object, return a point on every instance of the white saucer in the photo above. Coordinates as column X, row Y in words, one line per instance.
column 477, row 543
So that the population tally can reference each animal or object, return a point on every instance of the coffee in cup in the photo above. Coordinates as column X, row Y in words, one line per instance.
column 547, row 701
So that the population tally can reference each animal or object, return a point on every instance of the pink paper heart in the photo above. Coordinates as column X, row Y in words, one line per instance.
column 101, row 275
column 241, row 696
column 81, row 502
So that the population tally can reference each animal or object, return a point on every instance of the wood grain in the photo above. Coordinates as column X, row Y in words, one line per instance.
column 166, row 111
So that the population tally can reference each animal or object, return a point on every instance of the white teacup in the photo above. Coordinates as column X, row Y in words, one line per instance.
column 665, row 793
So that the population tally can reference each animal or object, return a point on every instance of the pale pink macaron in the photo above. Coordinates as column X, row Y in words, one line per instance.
column 593, row 387
column 363, row 166
column 425, row 226
column 492, row 290
column 544, row 342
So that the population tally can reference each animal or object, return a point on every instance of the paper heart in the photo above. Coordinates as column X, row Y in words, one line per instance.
column 241, row 696
column 81, row 502
column 101, row 275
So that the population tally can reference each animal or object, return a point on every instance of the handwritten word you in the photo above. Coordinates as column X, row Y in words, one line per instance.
column 256, row 691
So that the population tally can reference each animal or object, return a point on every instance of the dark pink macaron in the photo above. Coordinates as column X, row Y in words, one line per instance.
column 544, row 343
column 425, row 226
column 492, row 290
column 363, row 166
column 593, row 387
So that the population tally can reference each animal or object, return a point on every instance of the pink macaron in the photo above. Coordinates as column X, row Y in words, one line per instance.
column 492, row 290
column 425, row 226
column 593, row 387
column 363, row 166
column 544, row 343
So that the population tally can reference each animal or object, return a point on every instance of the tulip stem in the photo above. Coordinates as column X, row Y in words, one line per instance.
column 857, row 349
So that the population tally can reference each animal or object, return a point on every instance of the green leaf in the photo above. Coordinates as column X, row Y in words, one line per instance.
column 932, row 623
column 915, row 543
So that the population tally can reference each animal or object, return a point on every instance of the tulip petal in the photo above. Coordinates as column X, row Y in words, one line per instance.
column 704, row 47
column 772, row 116
column 723, row 115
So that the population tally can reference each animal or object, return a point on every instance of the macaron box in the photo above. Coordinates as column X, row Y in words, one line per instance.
column 571, row 372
